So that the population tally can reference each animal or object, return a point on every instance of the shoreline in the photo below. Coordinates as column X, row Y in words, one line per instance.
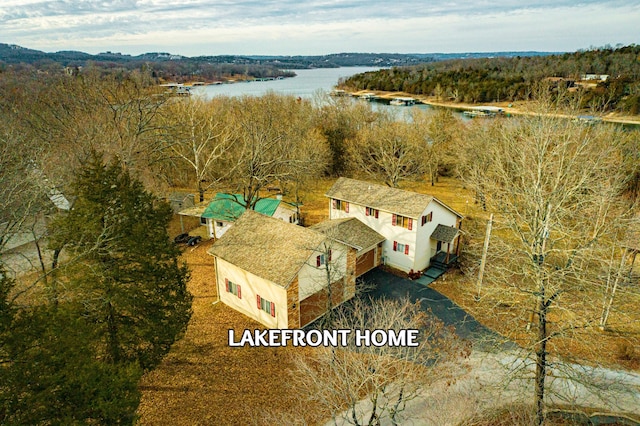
column 514, row 108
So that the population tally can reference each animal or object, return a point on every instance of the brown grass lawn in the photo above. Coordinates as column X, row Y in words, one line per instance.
column 203, row 381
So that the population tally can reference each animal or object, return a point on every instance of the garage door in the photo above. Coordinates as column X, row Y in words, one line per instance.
column 365, row 262
column 314, row 306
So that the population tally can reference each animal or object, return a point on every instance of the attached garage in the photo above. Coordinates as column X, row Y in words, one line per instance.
column 314, row 306
column 352, row 232
column 366, row 262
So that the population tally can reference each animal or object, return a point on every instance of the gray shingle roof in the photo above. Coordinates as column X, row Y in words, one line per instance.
column 443, row 233
column 393, row 200
column 267, row 247
column 350, row 231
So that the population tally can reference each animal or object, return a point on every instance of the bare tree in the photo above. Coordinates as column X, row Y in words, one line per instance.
column 17, row 191
column 199, row 135
column 619, row 274
column 273, row 141
column 131, row 122
column 389, row 150
column 387, row 376
column 439, row 130
column 555, row 187
column 339, row 120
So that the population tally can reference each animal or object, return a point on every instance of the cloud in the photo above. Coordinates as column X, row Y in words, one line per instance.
column 315, row 26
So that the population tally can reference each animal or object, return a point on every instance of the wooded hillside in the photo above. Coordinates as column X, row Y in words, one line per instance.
column 512, row 79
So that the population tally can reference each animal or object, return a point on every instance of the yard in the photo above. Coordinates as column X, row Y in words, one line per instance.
column 204, row 381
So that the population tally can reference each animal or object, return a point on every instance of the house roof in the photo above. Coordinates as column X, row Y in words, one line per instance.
column 350, row 231
column 229, row 207
column 267, row 247
column 446, row 234
column 394, row 200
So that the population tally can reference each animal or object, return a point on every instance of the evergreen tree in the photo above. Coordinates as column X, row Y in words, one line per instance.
column 51, row 375
column 77, row 356
column 127, row 277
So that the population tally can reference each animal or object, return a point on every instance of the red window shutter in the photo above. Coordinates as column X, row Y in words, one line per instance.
column 366, row 211
column 424, row 220
column 258, row 297
column 395, row 246
column 346, row 207
column 406, row 249
column 393, row 219
column 273, row 309
column 410, row 224
column 239, row 292
column 334, row 204
column 318, row 261
column 430, row 217
column 329, row 255
column 226, row 284
column 376, row 213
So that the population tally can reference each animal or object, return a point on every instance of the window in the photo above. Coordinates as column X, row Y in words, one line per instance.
column 405, row 222
column 402, row 248
column 340, row 205
column 321, row 259
column 203, row 220
column 219, row 224
column 293, row 218
column 370, row 211
column 265, row 305
column 233, row 288
column 427, row 218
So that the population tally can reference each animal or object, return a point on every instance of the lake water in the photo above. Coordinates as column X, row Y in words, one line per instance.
column 305, row 84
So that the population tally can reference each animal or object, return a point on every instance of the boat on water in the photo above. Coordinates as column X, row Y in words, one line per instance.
column 588, row 119
column 367, row 97
column 176, row 89
column 483, row 112
column 478, row 113
column 402, row 101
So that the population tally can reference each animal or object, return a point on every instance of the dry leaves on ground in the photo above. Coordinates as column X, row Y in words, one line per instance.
column 203, row 381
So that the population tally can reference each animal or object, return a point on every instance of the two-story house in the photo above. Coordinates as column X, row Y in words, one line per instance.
column 419, row 229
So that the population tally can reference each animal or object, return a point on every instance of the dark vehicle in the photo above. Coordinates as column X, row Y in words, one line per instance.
column 182, row 239
column 194, row 240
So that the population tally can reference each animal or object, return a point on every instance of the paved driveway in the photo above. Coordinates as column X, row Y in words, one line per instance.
column 395, row 287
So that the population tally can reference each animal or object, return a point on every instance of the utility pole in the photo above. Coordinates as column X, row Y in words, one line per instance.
column 485, row 249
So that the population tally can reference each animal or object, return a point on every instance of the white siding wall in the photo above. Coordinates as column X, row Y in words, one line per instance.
column 383, row 225
column 284, row 213
column 219, row 230
column 425, row 246
column 312, row 279
column 421, row 246
column 252, row 285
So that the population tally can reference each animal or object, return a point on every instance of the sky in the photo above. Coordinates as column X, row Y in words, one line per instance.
column 317, row 27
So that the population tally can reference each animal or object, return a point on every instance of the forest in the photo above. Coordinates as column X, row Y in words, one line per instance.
column 207, row 68
column 502, row 79
column 107, row 298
